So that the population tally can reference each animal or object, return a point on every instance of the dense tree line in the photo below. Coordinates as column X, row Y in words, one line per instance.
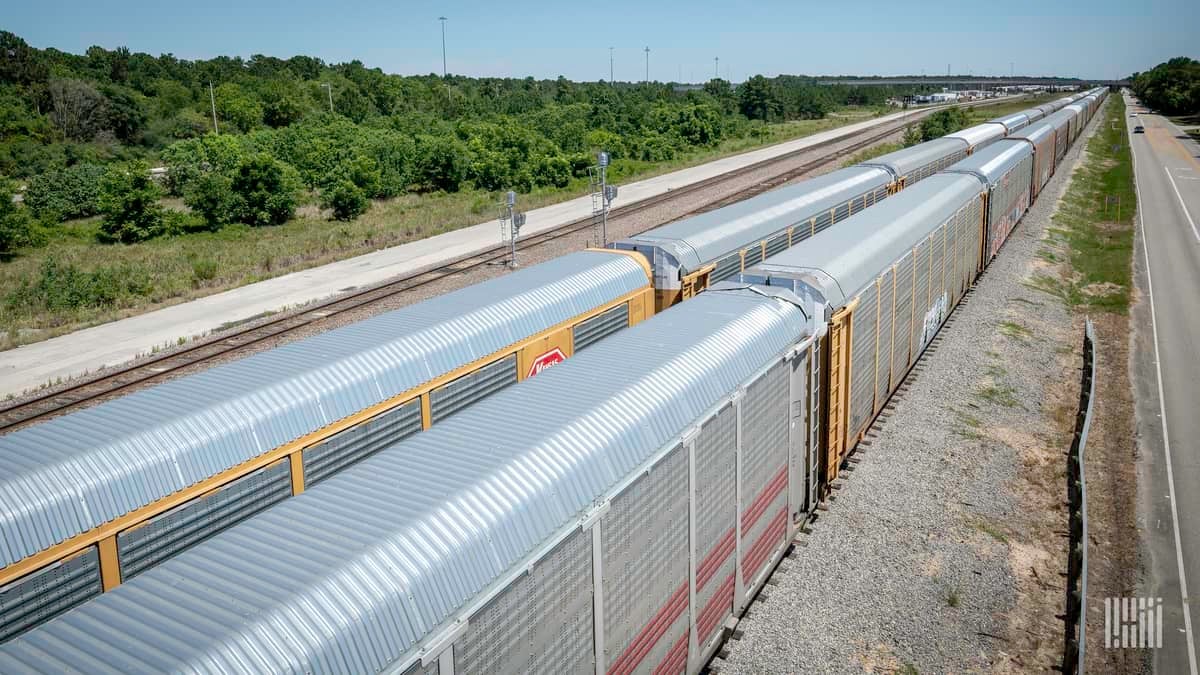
column 1172, row 87
column 76, row 127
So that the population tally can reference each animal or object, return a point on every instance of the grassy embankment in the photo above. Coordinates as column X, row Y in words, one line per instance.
column 74, row 282
column 1093, row 228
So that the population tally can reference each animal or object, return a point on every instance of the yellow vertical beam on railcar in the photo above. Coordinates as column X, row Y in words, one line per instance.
column 296, row 465
column 840, row 340
column 110, row 565
column 892, row 342
column 878, row 329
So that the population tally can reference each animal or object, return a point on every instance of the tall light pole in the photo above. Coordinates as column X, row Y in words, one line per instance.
column 443, row 20
column 329, row 88
column 647, row 50
column 716, row 67
column 212, row 100
column 610, row 66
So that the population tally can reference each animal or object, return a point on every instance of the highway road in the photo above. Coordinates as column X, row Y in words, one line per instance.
column 1166, row 370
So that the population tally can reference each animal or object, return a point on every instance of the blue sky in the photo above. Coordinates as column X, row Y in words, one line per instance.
column 1101, row 38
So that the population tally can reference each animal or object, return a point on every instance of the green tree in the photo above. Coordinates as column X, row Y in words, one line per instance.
column 347, row 200
column 1172, row 87
column 129, row 201
column 281, row 106
column 126, row 114
column 211, row 195
column 265, row 194
column 237, row 107
column 440, row 163
column 757, row 99
column 21, row 64
column 188, row 159
column 16, row 225
column 912, row 136
column 61, row 194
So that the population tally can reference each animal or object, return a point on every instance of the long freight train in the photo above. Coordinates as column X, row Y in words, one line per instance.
column 92, row 499
column 607, row 516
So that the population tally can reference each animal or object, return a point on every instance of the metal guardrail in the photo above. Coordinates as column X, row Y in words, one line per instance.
column 1076, row 609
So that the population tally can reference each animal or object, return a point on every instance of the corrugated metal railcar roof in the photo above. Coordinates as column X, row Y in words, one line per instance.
column 1058, row 118
column 706, row 237
column 1035, row 132
column 1035, row 114
column 994, row 161
column 854, row 253
column 351, row 575
column 79, row 471
column 980, row 134
column 903, row 162
column 1012, row 122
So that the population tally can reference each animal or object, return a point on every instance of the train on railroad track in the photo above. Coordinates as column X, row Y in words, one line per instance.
column 635, row 495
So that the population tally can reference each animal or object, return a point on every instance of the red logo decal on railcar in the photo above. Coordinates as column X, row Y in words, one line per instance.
column 546, row 360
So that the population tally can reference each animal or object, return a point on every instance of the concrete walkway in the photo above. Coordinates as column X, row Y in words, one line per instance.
column 113, row 343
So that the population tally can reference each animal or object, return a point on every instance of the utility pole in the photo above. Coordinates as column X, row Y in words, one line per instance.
column 329, row 88
column 717, row 67
column 610, row 67
column 213, row 101
column 647, row 50
column 443, row 20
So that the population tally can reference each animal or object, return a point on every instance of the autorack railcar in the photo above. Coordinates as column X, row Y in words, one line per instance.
column 692, row 253
column 613, row 529
column 1005, row 169
column 95, row 497
column 607, row 516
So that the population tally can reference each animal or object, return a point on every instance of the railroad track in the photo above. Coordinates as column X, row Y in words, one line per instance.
column 83, row 392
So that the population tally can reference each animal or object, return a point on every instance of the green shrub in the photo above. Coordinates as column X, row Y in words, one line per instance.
column 211, row 196
column 441, row 163
column 265, row 194
column 129, row 202
column 203, row 269
column 17, row 228
column 347, row 200
column 189, row 159
column 62, row 287
column 65, row 193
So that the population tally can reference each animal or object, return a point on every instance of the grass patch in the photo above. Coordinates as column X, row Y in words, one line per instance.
column 872, row 153
column 999, row 394
column 1015, row 330
column 990, row 530
column 967, row 426
column 1089, row 230
column 953, row 597
column 908, row 669
column 991, row 112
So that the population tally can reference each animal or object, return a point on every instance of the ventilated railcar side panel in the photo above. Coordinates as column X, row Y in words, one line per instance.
column 188, row 524
column 359, row 442
column 541, row 623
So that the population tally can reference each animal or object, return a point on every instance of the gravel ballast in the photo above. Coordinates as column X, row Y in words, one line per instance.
column 942, row 552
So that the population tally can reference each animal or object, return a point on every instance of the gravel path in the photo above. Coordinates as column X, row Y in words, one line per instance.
column 942, row 551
